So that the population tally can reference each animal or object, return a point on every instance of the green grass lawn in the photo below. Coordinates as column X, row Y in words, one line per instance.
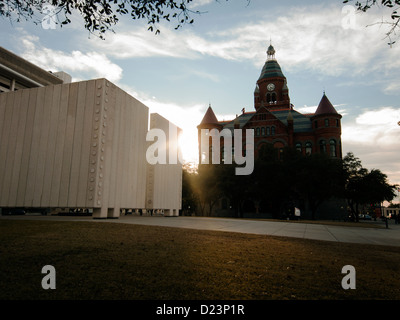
column 125, row 261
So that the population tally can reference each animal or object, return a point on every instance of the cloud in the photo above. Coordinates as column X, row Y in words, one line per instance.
column 392, row 88
column 312, row 38
column 80, row 65
column 385, row 116
column 306, row 38
column 136, row 43
column 311, row 109
column 375, row 127
column 374, row 137
column 200, row 3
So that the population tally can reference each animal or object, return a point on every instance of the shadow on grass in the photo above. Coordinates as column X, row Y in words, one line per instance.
column 121, row 261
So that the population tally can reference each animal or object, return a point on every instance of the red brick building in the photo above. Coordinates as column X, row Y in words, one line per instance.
column 275, row 122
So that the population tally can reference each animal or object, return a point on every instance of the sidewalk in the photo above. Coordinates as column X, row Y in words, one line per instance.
column 373, row 236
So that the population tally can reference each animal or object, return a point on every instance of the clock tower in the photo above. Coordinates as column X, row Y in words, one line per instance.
column 271, row 90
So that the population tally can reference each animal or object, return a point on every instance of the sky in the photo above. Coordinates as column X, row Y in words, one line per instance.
column 320, row 46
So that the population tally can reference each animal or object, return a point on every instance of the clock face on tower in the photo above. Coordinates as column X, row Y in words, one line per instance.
column 270, row 87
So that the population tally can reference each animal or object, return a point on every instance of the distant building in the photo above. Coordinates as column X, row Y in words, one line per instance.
column 17, row 73
column 79, row 145
column 388, row 212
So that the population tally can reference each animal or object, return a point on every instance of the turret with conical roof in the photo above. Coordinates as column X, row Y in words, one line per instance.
column 209, row 117
column 327, row 128
column 325, row 106
column 209, row 122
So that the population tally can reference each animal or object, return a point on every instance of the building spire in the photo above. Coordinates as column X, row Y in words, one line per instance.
column 271, row 52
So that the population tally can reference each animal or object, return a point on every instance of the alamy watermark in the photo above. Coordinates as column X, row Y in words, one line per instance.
column 49, row 280
column 349, row 17
column 349, row 280
column 240, row 152
column 49, row 21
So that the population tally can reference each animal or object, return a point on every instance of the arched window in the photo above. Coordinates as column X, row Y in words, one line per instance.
column 268, row 131
column 322, row 146
column 308, row 148
column 326, row 122
column 332, row 148
column 298, row 147
column 268, row 97
column 272, row 131
column 257, row 132
column 262, row 131
column 273, row 96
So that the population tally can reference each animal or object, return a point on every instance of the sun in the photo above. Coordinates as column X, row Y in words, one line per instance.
column 188, row 145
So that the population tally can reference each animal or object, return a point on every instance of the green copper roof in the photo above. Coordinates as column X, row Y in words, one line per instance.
column 243, row 119
column 271, row 69
column 301, row 123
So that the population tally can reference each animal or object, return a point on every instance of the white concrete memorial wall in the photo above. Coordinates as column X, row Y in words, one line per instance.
column 74, row 145
column 164, row 178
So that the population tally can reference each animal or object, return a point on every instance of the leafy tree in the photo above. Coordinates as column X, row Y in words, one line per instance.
column 207, row 186
column 394, row 24
column 285, row 178
column 394, row 205
column 319, row 179
column 101, row 15
column 364, row 187
column 189, row 196
column 236, row 188
column 273, row 177
column 355, row 174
